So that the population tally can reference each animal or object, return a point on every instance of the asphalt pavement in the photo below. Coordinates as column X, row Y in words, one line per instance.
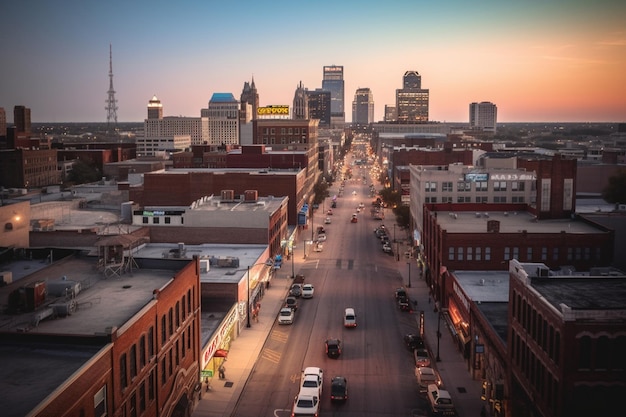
column 221, row 398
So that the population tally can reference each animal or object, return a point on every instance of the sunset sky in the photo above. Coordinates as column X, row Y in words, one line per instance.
column 538, row 61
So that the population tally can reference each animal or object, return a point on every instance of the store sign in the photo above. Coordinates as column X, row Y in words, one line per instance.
column 513, row 177
column 219, row 336
column 476, row 176
column 280, row 110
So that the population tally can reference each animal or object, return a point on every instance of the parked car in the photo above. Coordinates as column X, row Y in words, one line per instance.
column 440, row 401
column 305, row 405
column 421, row 357
column 321, row 237
column 387, row 248
column 285, row 316
column 339, row 389
column 295, row 290
column 400, row 292
column 307, row 291
column 413, row 341
column 426, row 376
column 404, row 304
column 320, row 230
column 349, row 318
column 312, row 381
column 292, row 303
column 333, row 348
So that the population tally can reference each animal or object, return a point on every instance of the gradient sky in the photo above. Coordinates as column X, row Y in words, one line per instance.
column 537, row 60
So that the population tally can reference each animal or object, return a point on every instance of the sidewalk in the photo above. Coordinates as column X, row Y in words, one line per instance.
column 452, row 368
column 221, row 399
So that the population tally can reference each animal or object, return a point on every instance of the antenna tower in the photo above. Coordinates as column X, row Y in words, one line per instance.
column 111, row 102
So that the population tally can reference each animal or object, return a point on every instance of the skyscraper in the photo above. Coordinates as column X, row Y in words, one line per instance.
column 155, row 108
column 319, row 106
column 363, row 107
column 21, row 119
column 249, row 96
column 3, row 123
column 300, row 103
column 483, row 115
column 412, row 99
column 223, row 115
column 333, row 82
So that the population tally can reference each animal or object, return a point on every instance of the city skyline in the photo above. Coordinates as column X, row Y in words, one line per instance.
column 559, row 61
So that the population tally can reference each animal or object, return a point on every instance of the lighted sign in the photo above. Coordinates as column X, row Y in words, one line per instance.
column 273, row 110
column 147, row 213
column 513, row 177
column 476, row 176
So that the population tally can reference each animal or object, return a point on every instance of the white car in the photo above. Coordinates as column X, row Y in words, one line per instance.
column 321, row 238
column 307, row 291
column 312, row 381
column 305, row 405
column 286, row 316
column 327, row 220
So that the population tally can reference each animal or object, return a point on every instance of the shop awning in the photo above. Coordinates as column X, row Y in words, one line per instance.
column 221, row 353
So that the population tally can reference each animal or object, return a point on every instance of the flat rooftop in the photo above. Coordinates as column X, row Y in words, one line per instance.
column 510, row 222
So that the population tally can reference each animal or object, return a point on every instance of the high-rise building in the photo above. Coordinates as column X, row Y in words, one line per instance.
column 300, row 103
column 363, row 107
column 391, row 114
column 21, row 119
column 412, row 99
column 319, row 106
column 155, row 108
column 249, row 96
column 483, row 116
column 333, row 82
column 3, row 123
column 223, row 118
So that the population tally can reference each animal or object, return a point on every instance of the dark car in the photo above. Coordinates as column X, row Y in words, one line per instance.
column 295, row 290
column 333, row 348
column 292, row 303
column 400, row 292
column 338, row 389
column 404, row 304
column 413, row 341
column 334, row 204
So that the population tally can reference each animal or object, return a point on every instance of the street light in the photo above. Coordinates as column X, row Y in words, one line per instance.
column 441, row 310
column 409, row 264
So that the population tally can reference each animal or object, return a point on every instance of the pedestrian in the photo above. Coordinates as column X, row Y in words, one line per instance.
column 255, row 315
column 206, row 382
column 222, row 371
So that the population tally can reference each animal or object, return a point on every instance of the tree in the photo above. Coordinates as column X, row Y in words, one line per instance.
column 83, row 173
column 615, row 192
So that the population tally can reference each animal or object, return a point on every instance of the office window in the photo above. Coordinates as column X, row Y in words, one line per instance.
column 544, row 253
column 481, row 199
column 487, row 254
column 451, row 254
column 446, row 186
column 446, row 199
column 517, row 199
column 499, row 186
column 144, row 220
column 133, row 361
column 516, row 253
column 463, row 186
column 155, row 220
column 555, row 254
column 499, row 199
column 142, row 351
column 168, row 220
column 529, row 254
column 465, row 199
column 430, row 186
column 481, row 186
column 170, row 321
column 478, row 254
column 430, row 199
column 507, row 253
column 459, row 254
column 469, row 254
column 151, row 342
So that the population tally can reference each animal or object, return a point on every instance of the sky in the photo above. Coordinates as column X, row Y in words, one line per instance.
column 536, row 60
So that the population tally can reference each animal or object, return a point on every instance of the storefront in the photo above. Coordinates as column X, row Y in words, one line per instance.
column 216, row 351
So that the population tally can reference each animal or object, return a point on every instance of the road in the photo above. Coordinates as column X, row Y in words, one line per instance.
column 352, row 271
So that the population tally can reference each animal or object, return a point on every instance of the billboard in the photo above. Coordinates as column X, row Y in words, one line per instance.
column 276, row 110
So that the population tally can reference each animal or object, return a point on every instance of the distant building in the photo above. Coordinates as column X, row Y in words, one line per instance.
column 3, row 123
column 155, row 108
column 319, row 106
column 333, row 81
column 249, row 97
column 27, row 168
column 300, row 103
column 223, row 119
column 391, row 113
column 412, row 100
column 21, row 120
column 158, row 128
column 483, row 116
column 363, row 107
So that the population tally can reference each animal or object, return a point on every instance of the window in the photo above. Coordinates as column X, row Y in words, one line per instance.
column 469, row 254
column 155, row 220
column 123, row 376
column 515, row 252
column 144, row 220
column 462, row 186
column 451, row 254
column 499, row 186
column 431, row 186
column 151, row 385
column 170, row 321
column 133, row 361
column 517, row 199
column 482, row 199
column 529, row 254
column 142, row 398
column 478, row 254
column 163, row 374
column 163, row 330
column 507, row 253
column 446, row 186
column 100, row 402
column 544, row 253
column 142, row 351
column 570, row 254
column 584, row 353
column 177, row 314
column 168, row 220
column 459, row 253
column 517, row 186
column 430, row 200
column 487, row 254
column 499, row 199
column 481, row 186
column 151, row 342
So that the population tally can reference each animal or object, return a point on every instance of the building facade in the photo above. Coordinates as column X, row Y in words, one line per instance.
column 249, row 97
column 223, row 119
column 333, row 82
column 412, row 101
column 363, row 107
column 160, row 128
column 155, row 108
column 300, row 103
column 483, row 116
column 319, row 106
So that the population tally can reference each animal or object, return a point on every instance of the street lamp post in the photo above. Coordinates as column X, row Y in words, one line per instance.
column 438, row 335
column 248, row 303
column 293, row 272
column 409, row 264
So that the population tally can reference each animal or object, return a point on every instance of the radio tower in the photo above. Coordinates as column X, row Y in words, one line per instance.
column 111, row 102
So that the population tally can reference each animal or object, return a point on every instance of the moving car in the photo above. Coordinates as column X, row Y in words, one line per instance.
column 312, row 381
column 285, row 316
column 349, row 318
column 327, row 220
column 413, row 341
column 404, row 304
column 387, row 248
column 333, row 348
column 400, row 292
column 321, row 237
column 338, row 389
column 354, row 218
column 305, row 405
column 307, row 291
